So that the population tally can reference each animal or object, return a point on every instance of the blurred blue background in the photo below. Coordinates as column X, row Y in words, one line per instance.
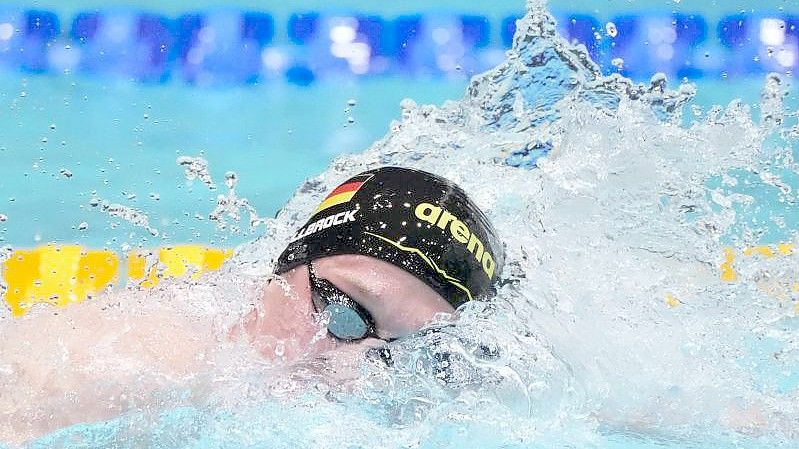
column 99, row 99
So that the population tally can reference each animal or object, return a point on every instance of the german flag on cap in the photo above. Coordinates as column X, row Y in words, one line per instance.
column 343, row 193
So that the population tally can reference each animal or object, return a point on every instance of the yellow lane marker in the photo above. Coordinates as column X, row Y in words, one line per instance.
column 176, row 262
column 57, row 275
column 728, row 273
column 64, row 274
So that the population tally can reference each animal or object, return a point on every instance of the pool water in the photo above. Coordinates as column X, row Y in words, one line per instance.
column 122, row 141
column 618, row 326
column 280, row 135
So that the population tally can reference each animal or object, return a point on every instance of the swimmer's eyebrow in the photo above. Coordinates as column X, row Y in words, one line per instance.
column 363, row 289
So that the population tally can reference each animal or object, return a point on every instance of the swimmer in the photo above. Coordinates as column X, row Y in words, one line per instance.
column 385, row 254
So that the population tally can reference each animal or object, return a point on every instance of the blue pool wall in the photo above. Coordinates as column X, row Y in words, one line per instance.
column 228, row 46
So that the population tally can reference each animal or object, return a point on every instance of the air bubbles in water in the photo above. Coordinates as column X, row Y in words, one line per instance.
column 3, row 218
column 65, row 173
column 83, row 226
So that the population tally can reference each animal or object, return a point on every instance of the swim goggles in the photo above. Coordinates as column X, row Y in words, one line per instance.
column 348, row 320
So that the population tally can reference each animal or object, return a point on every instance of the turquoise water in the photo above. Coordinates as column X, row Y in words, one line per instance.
column 121, row 141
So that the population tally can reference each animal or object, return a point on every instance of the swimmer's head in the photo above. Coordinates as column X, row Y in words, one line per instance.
column 415, row 220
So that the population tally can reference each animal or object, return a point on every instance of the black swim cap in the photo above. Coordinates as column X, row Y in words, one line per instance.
column 418, row 221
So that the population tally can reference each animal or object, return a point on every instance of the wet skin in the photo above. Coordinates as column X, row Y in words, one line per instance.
column 285, row 325
column 105, row 360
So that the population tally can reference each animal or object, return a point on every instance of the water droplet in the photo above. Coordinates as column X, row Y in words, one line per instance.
column 52, row 126
column 350, row 119
column 231, row 179
column 3, row 218
column 146, row 116
column 611, row 30
column 44, row 139
column 23, row 94
column 65, row 173
column 351, row 102
column 83, row 226
column 155, row 196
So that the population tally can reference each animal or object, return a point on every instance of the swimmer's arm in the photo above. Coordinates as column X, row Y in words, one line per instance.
column 87, row 364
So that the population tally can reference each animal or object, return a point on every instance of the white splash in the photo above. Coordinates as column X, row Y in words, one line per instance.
column 133, row 216
column 230, row 207
column 196, row 168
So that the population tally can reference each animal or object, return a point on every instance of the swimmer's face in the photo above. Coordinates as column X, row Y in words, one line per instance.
column 285, row 325
column 398, row 302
